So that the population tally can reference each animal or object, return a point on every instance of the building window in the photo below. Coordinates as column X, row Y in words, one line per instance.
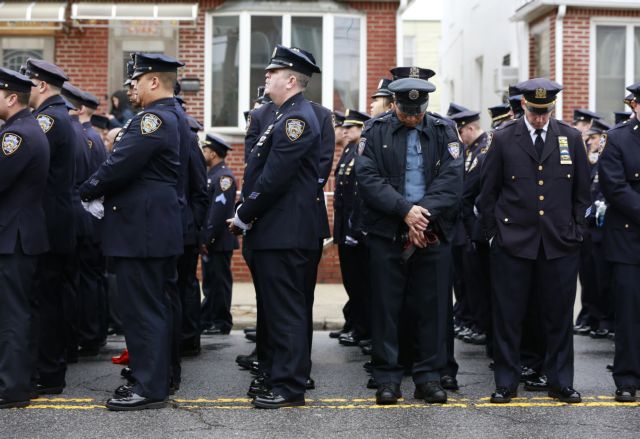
column 409, row 49
column 615, row 64
column 541, row 50
column 14, row 51
column 239, row 47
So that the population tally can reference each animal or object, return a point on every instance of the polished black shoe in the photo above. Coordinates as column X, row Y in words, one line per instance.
column 449, row 383
column 214, row 330
column 611, row 335
column 625, row 394
column 528, row 374
column 368, row 366
column 45, row 389
column 251, row 336
column 364, row 342
column 258, row 387
column 88, row 351
column 173, row 388
column 245, row 361
column 599, row 333
column 583, row 330
column 127, row 374
column 190, row 349
column 463, row 332
column 610, row 367
column 388, row 393
column 539, row 384
column 310, row 384
column 431, row 392
column 8, row 404
column 255, row 368
column 372, row 384
column 134, row 402
column 349, row 339
column 566, row 394
column 367, row 349
column 476, row 338
column 250, row 329
column 337, row 334
column 502, row 395
column 275, row 401
column 123, row 391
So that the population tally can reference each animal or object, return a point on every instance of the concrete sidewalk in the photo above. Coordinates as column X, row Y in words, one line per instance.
column 327, row 307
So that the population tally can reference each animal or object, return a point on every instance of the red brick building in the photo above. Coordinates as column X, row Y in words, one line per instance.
column 225, row 45
column 591, row 47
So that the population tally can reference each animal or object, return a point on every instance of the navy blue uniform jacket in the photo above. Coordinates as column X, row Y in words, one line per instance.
column 222, row 195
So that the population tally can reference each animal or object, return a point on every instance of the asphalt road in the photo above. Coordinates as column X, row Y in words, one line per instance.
column 211, row 402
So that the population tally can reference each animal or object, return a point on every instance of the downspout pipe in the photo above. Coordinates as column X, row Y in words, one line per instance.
column 559, row 53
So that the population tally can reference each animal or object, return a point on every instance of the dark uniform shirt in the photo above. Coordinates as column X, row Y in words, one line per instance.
column 221, row 185
column 84, row 168
column 24, row 166
column 471, row 186
column 345, row 195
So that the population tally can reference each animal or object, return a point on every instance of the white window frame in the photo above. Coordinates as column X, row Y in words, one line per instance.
column 630, row 23
column 244, row 94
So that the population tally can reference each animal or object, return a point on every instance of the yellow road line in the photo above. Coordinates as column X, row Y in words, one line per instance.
column 63, row 407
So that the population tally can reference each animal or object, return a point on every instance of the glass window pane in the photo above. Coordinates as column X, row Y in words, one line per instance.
column 610, row 68
column 266, row 32
column 636, row 55
column 347, row 55
column 306, row 34
column 14, row 58
column 224, row 71
column 543, row 54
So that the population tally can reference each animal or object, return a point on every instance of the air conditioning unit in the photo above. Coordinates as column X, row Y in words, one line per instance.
column 504, row 77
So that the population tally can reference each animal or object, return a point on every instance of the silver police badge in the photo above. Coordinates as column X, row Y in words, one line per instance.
column 294, row 128
column 225, row 183
column 150, row 123
column 46, row 122
column 414, row 94
column 454, row 149
column 10, row 143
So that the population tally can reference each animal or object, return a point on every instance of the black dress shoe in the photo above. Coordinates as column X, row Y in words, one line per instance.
column 566, row 394
column 364, row 342
column 173, row 387
column 463, row 332
column 275, row 401
column 258, row 387
column 388, row 393
column 625, row 394
column 8, row 404
column 528, row 374
column 250, row 329
column 337, row 334
column 134, row 402
column 310, row 384
column 502, row 395
column 372, row 384
column 610, row 367
column 46, row 389
column 583, row 330
column 611, row 335
column 539, row 384
column 599, row 333
column 251, row 336
column 255, row 368
column 476, row 338
column 245, row 361
column 449, row 383
column 88, row 351
column 123, row 391
column 349, row 339
column 367, row 350
column 368, row 366
column 217, row 331
column 127, row 374
column 431, row 392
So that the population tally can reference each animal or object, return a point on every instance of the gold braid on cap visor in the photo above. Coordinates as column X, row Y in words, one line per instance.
column 534, row 105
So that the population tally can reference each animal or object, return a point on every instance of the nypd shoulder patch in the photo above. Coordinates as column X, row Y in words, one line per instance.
column 454, row 149
column 225, row 183
column 603, row 141
column 248, row 122
column 362, row 145
column 46, row 122
column 294, row 128
column 90, row 143
column 10, row 143
column 150, row 123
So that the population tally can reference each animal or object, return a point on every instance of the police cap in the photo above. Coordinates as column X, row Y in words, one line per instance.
column 580, row 114
column 154, row 62
column 130, row 70
column 292, row 59
column 539, row 94
column 499, row 112
column 598, row 127
column 216, row 144
column 45, row 71
column 635, row 90
column 465, row 117
column 412, row 72
column 412, row 95
column 383, row 89
column 81, row 97
column 455, row 108
column 354, row 118
column 339, row 118
column 621, row 116
column 100, row 121
column 14, row 81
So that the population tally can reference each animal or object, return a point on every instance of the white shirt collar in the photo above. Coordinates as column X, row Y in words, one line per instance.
column 532, row 130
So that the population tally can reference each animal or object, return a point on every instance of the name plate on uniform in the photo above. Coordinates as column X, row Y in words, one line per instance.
column 563, row 145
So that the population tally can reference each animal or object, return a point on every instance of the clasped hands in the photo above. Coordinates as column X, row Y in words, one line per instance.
column 418, row 220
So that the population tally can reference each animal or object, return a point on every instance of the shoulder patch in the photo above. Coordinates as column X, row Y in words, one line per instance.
column 225, row 183
column 294, row 128
column 10, row 143
column 150, row 123
column 46, row 122
column 454, row 149
column 603, row 141
column 362, row 145
column 90, row 144
column 248, row 122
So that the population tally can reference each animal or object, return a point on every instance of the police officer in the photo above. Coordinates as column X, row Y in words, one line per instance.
column 619, row 171
column 279, row 214
column 535, row 191
column 411, row 196
column 347, row 234
column 218, row 244
column 515, row 102
column 53, row 267
column 381, row 99
column 499, row 114
column 143, row 228
column 24, row 165
column 582, row 120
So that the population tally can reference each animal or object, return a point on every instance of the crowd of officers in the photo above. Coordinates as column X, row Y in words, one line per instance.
column 425, row 207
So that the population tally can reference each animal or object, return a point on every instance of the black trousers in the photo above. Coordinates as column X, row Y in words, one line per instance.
column 418, row 287
column 461, row 310
column 16, row 277
column 280, row 285
column 189, row 291
column 626, row 364
column 310, row 279
column 90, row 294
column 355, row 278
column 552, row 285
column 49, row 333
column 477, row 277
column 589, row 283
column 145, row 308
column 217, row 284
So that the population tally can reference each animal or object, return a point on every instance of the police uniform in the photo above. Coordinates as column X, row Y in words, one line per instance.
column 395, row 173
column 24, row 165
column 619, row 172
column 279, row 201
column 143, row 234
column 53, row 271
column 347, row 235
column 216, row 263
column 532, row 203
column 515, row 102
column 499, row 114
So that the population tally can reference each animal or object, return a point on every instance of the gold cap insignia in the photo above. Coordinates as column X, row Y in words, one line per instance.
column 541, row 93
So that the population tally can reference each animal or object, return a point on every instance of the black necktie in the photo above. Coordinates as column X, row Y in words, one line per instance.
column 539, row 144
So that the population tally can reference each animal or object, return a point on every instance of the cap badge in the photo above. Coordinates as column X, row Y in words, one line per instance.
column 541, row 93
column 414, row 72
column 414, row 94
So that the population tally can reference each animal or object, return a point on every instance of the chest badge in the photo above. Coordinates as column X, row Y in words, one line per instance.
column 46, row 122
column 563, row 146
column 454, row 149
column 150, row 123
column 294, row 128
column 10, row 143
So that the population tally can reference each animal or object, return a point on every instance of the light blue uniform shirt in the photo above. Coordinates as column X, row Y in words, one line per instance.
column 414, row 180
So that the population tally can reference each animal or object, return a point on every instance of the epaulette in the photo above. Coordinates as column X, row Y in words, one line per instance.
column 624, row 124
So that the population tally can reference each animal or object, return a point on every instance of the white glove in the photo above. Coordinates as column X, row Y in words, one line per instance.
column 94, row 207
column 350, row 241
column 239, row 224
